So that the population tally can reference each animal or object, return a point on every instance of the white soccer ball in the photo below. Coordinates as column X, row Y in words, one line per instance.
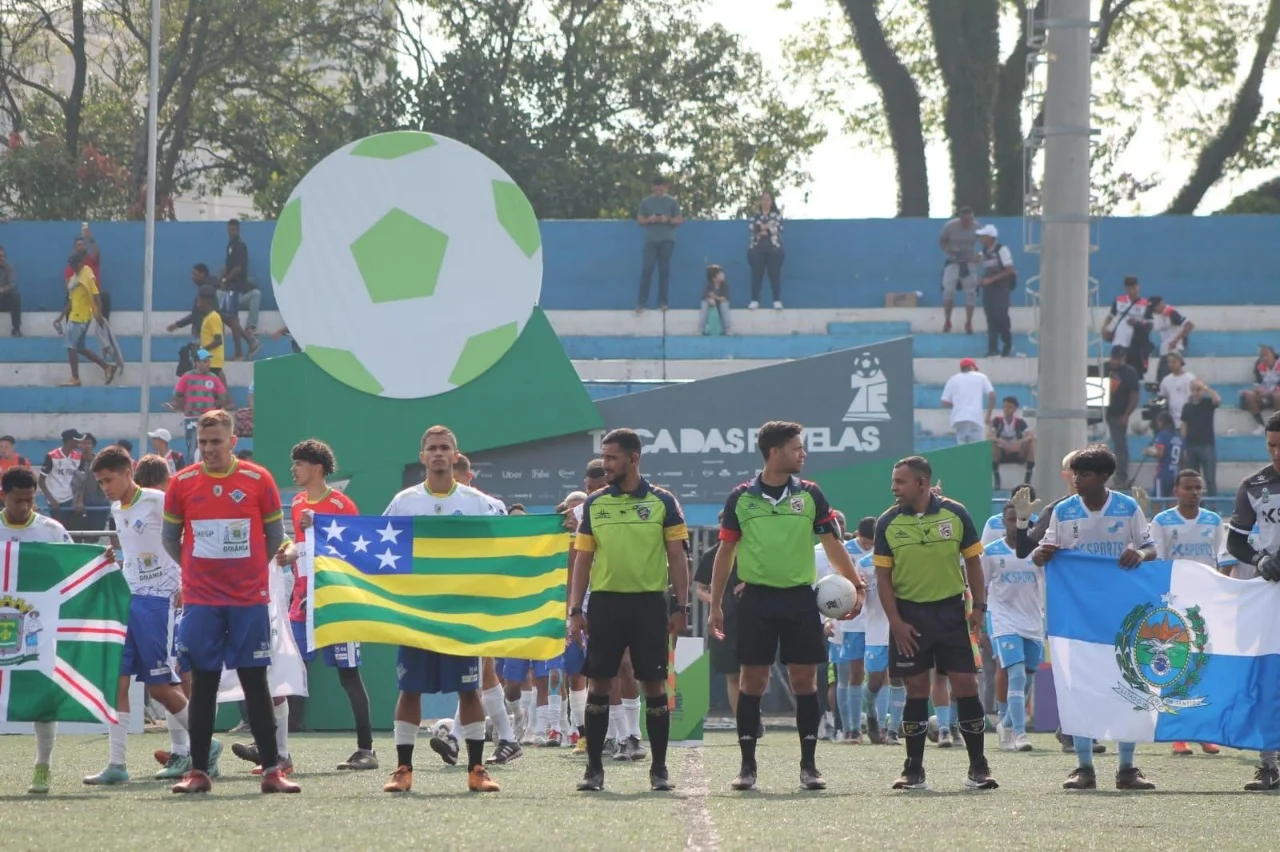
column 442, row 728
column 406, row 264
column 836, row 596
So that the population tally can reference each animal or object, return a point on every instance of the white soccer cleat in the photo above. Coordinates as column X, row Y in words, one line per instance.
column 1006, row 736
column 1022, row 742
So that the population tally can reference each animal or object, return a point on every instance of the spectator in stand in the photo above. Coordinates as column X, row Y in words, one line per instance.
column 659, row 216
column 1013, row 442
column 235, row 284
column 58, row 474
column 195, row 393
column 10, row 298
column 201, row 279
column 160, row 440
column 1176, row 386
column 1265, row 393
column 999, row 279
column 1173, row 330
column 9, row 456
column 715, row 294
column 83, row 306
column 1166, row 449
column 965, row 394
column 1198, row 444
column 765, row 252
column 91, row 506
column 961, row 268
column 212, row 339
column 93, row 259
column 1128, row 325
column 1124, row 399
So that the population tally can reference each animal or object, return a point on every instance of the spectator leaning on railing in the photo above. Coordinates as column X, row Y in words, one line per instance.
column 765, row 252
column 10, row 298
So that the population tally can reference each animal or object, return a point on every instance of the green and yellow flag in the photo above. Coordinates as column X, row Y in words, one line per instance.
column 489, row 586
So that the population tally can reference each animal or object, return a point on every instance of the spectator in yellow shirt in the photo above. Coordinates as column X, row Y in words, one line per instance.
column 211, row 331
column 83, row 306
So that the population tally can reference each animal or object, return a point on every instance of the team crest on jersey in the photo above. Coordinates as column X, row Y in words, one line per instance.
column 217, row 491
column 1160, row 651
column 642, row 512
column 19, row 632
column 439, row 509
column 797, row 504
column 138, row 525
column 946, row 529
column 238, row 495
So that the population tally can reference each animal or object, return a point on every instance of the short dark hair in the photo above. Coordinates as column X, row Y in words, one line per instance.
column 595, row 469
column 918, row 465
column 1029, row 488
column 517, row 507
column 203, row 269
column 713, row 269
column 867, row 527
column 1165, row 417
column 233, row 221
column 1012, row 399
column 1131, row 281
column 1184, row 473
column 115, row 458
column 462, row 463
column 964, row 210
column 9, row 438
column 1095, row 458
column 776, row 434
column 18, row 478
column 1273, row 422
column 244, row 455
column 625, row 439
column 151, row 471
column 315, row 452
column 126, row 444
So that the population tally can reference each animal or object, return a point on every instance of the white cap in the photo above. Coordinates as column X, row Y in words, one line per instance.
column 162, row 434
column 988, row 231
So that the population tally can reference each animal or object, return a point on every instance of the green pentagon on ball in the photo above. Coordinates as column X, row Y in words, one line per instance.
column 399, row 257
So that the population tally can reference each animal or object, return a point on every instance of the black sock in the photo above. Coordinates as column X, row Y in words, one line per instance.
column 262, row 716
column 915, row 723
column 658, row 722
column 597, row 719
column 203, row 707
column 748, row 727
column 404, row 755
column 1031, row 468
column 808, row 717
column 475, row 753
column 973, row 726
column 359, row 698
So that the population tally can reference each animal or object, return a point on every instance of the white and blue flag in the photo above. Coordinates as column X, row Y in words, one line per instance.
column 1169, row 651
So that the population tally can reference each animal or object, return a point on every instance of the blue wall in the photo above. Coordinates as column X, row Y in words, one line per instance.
column 830, row 263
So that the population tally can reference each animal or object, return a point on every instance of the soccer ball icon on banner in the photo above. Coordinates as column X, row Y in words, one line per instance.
column 406, row 264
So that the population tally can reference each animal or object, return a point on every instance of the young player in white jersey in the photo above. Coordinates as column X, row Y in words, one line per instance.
column 1015, row 630
column 994, row 529
column 846, row 645
column 1188, row 531
column 154, row 586
column 883, row 705
column 1107, row 523
column 20, row 522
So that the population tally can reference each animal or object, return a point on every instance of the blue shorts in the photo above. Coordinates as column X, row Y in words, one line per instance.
column 421, row 671
column 574, row 657
column 851, row 648
column 877, row 658
column 1013, row 649
column 147, row 643
column 236, row 637
column 344, row 656
column 516, row 670
column 74, row 334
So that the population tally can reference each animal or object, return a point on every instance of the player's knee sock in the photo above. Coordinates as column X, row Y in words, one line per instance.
column 973, row 726
column 1018, row 698
column 943, row 712
column 842, row 704
column 473, row 734
column 118, row 740
column 897, row 702
column 179, row 736
column 262, row 718
column 748, row 726
column 808, row 718
column 1002, row 714
column 358, row 696
column 658, row 723
column 201, row 710
column 1126, row 754
column 529, row 706
column 1084, row 750
column 617, row 724
column 578, row 709
column 406, row 736
column 631, row 716
column 915, row 724
column 879, row 701
column 955, row 711
column 853, row 715
column 495, row 707
column 282, row 729
column 46, row 734
column 555, row 709
column 596, row 712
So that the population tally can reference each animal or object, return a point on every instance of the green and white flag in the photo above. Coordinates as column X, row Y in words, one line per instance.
column 63, row 611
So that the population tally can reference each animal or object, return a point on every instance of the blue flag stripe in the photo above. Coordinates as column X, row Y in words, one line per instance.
column 1089, row 596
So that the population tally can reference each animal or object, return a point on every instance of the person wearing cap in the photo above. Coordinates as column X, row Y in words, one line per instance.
column 999, row 279
column 1120, row 407
column 967, row 393
column 196, row 393
column 957, row 240
column 58, row 474
column 160, row 440
column 659, row 216
column 83, row 306
column 211, row 330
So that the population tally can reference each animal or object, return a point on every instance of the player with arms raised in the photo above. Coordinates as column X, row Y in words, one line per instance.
column 222, row 523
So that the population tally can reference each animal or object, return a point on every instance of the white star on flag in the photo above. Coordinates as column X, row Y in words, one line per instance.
column 333, row 551
column 361, row 545
column 389, row 533
column 334, row 531
column 387, row 559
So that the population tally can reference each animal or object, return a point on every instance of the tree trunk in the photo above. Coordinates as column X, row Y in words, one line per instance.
column 73, row 115
column 1007, row 135
column 1234, row 135
column 180, row 123
column 966, row 38
column 901, row 99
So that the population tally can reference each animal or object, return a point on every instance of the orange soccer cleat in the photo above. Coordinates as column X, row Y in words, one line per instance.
column 273, row 781
column 478, row 781
column 1181, row 749
column 401, row 781
column 194, row 781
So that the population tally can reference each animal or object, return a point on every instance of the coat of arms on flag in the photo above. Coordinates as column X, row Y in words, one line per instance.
column 1160, row 651
column 20, row 630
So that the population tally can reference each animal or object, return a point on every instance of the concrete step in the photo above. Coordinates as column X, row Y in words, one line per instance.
column 1229, row 421
column 163, row 374
column 1237, row 448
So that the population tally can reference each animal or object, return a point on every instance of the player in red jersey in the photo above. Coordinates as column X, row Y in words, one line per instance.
column 222, row 523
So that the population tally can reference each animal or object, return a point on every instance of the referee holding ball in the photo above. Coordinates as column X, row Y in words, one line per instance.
column 768, row 525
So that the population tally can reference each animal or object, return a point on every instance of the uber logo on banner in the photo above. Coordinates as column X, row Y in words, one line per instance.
column 700, row 437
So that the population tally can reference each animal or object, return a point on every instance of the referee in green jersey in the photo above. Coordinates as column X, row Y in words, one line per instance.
column 768, row 526
column 630, row 544
column 919, row 545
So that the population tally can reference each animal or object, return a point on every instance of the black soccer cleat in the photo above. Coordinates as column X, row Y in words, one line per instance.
column 811, row 778
column 746, row 779
column 592, row 781
column 912, row 778
column 1081, row 778
column 507, row 751
column 1131, row 778
column 247, row 752
column 979, row 777
column 447, row 748
column 360, row 760
column 1266, row 778
column 659, row 780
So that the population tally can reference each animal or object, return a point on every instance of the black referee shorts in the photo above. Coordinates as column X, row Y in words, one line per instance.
column 622, row 621
column 780, row 623
column 943, row 643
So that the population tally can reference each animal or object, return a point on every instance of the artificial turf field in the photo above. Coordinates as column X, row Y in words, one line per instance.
column 1199, row 803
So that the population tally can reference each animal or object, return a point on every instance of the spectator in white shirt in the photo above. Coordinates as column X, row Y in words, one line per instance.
column 1176, row 387
column 965, row 394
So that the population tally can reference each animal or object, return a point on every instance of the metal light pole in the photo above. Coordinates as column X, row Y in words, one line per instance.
column 1062, row 417
column 149, row 249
